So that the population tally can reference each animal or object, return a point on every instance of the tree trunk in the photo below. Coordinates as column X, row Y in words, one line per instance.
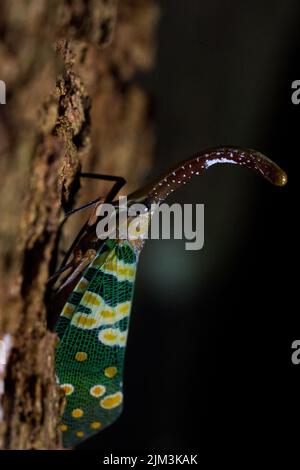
column 71, row 104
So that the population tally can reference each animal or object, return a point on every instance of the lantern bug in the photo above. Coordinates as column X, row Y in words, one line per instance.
column 91, row 308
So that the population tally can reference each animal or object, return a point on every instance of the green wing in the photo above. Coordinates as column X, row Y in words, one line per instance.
column 93, row 329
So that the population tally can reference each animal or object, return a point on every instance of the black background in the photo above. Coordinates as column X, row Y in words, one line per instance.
column 209, row 351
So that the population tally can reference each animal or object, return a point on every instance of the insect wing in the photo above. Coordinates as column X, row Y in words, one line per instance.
column 93, row 333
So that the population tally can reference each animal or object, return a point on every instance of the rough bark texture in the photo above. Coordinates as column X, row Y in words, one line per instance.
column 71, row 104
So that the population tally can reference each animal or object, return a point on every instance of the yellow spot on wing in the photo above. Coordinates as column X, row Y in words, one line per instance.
column 77, row 413
column 108, row 314
column 111, row 266
column 124, row 308
column 126, row 272
column 90, row 299
column 82, row 285
column 85, row 321
column 110, row 372
column 100, row 259
column 63, row 427
column 79, row 433
column 112, row 401
column 67, row 388
column 112, row 337
column 111, row 315
column 95, row 425
column 97, row 390
column 104, row 315
column 68, row 310
column 81, row 356
column 123, row 338
column 120, row 269
column 109, row 336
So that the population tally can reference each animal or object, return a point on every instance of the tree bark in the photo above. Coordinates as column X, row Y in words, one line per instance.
column 72, row 104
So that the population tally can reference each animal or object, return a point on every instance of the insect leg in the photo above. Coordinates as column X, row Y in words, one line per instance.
column 57, row 273
column 82, row 235
column 119, row 183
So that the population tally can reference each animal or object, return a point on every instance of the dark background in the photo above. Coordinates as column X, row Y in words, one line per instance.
column 209, row 351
